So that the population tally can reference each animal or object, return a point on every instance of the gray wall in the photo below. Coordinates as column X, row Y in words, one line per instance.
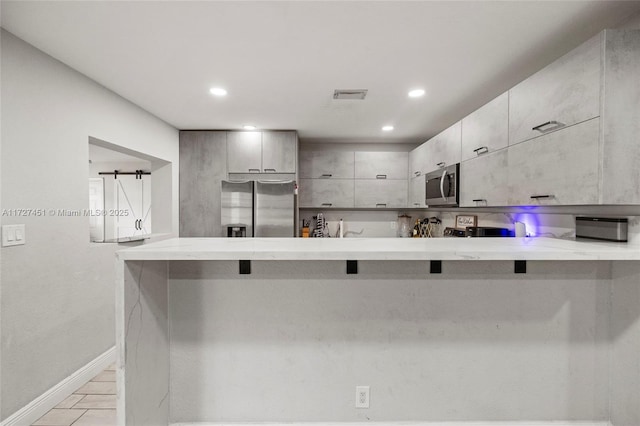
column 291, row 341
column 57, row 294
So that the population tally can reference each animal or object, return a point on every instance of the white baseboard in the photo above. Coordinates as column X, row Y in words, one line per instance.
column 54, row 396
column 469, row 423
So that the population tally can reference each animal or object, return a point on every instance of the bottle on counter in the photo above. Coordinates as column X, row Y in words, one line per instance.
column 416, row 229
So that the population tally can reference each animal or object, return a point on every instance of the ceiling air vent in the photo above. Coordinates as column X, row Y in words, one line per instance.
column 351, row 94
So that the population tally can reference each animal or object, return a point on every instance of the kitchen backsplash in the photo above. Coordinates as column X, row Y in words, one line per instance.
column 370, row 224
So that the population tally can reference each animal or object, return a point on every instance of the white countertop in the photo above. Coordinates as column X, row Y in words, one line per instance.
column 538, row 248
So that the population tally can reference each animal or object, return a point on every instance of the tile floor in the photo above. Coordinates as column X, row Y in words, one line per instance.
column 94, row 404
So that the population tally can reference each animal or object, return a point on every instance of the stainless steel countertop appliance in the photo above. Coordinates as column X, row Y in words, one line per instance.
column 602, row 228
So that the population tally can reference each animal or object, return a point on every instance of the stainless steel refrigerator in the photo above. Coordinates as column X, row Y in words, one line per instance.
column 258, row 208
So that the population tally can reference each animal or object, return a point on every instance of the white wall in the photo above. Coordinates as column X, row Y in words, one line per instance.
column 58, row 291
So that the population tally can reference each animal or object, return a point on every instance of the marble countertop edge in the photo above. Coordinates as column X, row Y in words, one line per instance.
column 290, row 249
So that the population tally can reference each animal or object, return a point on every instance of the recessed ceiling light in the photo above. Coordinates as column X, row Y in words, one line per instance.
column 249, row 127
column 387, row 128
column 416, row 93
column 218, row 91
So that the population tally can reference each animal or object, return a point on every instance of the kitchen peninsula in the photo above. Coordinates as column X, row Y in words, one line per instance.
column 282, row 330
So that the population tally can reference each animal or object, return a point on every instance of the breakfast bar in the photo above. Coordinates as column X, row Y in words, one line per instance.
column 264, row 330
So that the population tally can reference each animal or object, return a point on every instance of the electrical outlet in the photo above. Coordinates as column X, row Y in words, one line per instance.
column 362, row 396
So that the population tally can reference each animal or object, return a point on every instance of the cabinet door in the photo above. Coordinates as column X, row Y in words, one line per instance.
column 326, row 164
column 444, row 149
column 326, row 193
column 279, row 152
column 559, row 168
column 380, row 193
column 244, row 152
column 381, row 165
column 133, row 197
column 418, row 161
column 417, row 193
column 567, row 91
column 484, row 180
column 486, row 129
column 203, row 166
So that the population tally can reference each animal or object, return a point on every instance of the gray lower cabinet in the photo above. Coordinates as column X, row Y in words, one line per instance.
column 566, row 92
column 326, row 164
column 560, row 168
column 279, row 151
column 417, row 192
column 380, row 193
column 484, row 180
column 203, row 165
column 486, row 129
column 326, row 193
column 381, row 165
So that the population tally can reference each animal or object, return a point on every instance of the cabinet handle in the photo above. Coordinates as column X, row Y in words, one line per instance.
column 554, row 125
column 326, row 204
column 381, row 176
column 416, row 173
column 481, row 150
column 270, row 170
column 537, row 197
column 479, row 200
column 440, row 164
column 381, row 205
column 416, row 204
column 326, row 175
column 254, row 170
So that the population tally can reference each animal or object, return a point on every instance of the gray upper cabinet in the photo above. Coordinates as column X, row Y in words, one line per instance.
column 244, row 152
column 573, row 130
column 417, row 192
column 326, row 165
column 262, row 152
column 203, row 165
column 560, row 168
column 418, row 161
column 326, row 193
column 381, row 165
column 484, row 180
column 380, row 193
column 444, row 149
column 279, row 152
column 486, row 129
column 620, row 123
column 562, row 94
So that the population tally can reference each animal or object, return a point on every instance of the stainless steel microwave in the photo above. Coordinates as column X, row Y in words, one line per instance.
column 443, row 187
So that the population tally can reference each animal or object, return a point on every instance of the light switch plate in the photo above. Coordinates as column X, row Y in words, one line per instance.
column 13, row 235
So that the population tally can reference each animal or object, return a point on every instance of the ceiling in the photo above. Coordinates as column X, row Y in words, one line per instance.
column 281, row 61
